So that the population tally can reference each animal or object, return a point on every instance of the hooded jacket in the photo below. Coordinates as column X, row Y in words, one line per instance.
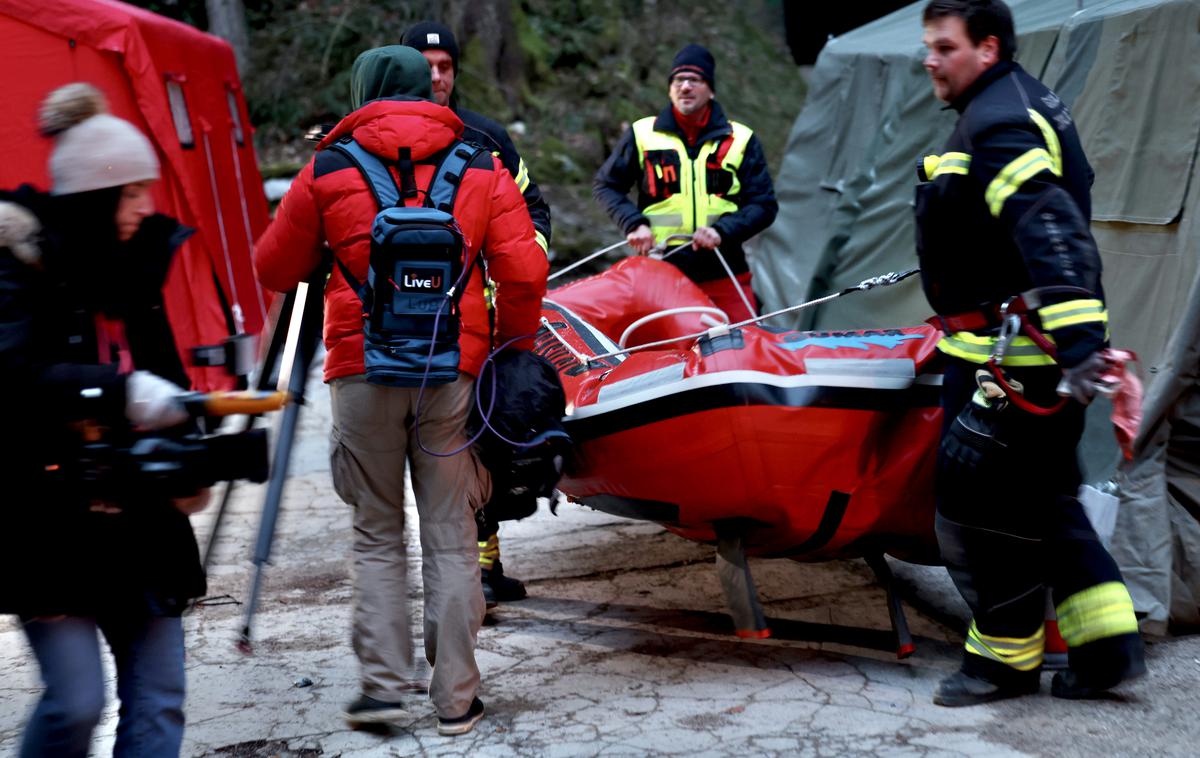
column 57, row 274
column 330, row 202
column 393, row 70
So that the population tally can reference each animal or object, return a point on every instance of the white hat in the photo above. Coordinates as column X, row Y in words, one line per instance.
column 94, row 150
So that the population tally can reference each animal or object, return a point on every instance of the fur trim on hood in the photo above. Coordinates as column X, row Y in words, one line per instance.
column 20, row 231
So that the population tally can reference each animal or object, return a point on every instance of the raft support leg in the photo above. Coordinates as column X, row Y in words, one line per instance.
column 883, row 572
column 741, row 596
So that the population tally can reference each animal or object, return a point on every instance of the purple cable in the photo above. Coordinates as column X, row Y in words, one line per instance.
column 486, row 415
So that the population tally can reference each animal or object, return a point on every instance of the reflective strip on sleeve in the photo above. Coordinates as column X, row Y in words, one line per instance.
column 1072, row 312
column 541, row 240
column 1015, row 174
column 952, row 163
column 1020, row 653
column 1105, row 610
column 522, row 176
column 1051, row 138
column 1021, row 351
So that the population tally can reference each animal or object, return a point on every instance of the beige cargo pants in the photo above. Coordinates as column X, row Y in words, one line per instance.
column 374, row 434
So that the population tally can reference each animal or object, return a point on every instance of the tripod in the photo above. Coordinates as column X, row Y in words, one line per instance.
column 290, row 353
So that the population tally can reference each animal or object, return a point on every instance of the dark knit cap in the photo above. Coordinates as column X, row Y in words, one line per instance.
column 697, row 60
column 430, row 35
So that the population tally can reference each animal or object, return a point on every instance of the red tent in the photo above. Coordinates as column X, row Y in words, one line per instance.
column 181, row 87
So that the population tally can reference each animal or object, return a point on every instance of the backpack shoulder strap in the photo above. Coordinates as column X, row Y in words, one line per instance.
column 444, row 188
column 379, row 179
column 383, row 189
column 360, row 288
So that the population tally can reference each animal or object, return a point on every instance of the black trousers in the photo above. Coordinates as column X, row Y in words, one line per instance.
column 1012, row 526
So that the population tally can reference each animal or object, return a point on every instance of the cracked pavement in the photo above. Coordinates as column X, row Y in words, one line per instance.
column 621, row 649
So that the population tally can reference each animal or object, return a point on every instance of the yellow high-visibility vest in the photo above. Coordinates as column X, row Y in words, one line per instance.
column 692, row 206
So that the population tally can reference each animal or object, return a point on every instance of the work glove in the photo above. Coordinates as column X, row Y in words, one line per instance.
column 1084, row 380
column 976, row 441
column 152, row 402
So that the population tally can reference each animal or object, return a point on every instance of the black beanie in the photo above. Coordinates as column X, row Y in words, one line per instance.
column 697, row 60
column 430, row 35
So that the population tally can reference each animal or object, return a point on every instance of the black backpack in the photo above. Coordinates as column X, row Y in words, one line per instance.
column 528, row 408
column 416, row 276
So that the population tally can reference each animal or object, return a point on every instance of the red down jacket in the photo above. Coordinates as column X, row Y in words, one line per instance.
column 330, row 201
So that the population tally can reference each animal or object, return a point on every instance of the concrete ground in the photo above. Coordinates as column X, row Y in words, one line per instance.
column 621, row 649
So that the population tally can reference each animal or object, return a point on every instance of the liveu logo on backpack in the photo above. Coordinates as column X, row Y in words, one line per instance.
column 416, row 274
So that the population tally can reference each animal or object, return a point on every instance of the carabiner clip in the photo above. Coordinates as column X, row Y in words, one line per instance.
column 1010, row 326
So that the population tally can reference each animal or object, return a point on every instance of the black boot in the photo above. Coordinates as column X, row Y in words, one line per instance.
column 984, row 681
column 1099, row 666
column 504, row 589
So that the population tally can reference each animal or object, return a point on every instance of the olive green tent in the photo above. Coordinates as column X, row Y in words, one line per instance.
column 1130, row 71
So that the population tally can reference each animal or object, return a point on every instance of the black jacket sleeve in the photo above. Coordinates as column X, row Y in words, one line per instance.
column 539, row 209
column 612, row 183
column 1023, row 191
column 756, row 200
column 495, row 138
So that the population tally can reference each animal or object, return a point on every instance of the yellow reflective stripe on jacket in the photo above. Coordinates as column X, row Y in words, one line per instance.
column 522, row 176
column 489, row 551
column 1021, row 351
column 541, row 240
column 1027, row 166
column 692, row 207
column 1105, row 610
column 1072, row 312
column 1015, row 174
column 1020, row 653
column 1051, row 138
column 950, row 163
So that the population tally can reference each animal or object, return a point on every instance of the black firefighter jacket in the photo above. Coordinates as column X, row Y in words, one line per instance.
column 58, row 555
column 755, row 201
column 488, row 134
column 1007, row 209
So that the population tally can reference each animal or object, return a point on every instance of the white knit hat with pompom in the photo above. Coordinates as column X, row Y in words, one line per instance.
column 93, row 149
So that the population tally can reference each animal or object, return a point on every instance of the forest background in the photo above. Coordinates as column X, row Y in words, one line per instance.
column 565, row 76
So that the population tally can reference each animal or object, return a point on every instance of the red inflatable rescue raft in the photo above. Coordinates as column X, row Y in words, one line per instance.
column 807, row 445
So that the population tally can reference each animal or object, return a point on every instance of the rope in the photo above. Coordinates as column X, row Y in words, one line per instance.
column 672, row 251
column 585, row 259
column 724, row 264
column 237, row 169
column 882, row 280
column 239, row 321
column 736, row 284
column 583, row 359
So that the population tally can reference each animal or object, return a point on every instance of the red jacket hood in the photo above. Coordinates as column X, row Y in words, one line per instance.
column 381, row 125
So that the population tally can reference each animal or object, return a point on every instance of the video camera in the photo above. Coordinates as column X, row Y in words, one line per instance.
column 121, row 465
column 154, row 466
